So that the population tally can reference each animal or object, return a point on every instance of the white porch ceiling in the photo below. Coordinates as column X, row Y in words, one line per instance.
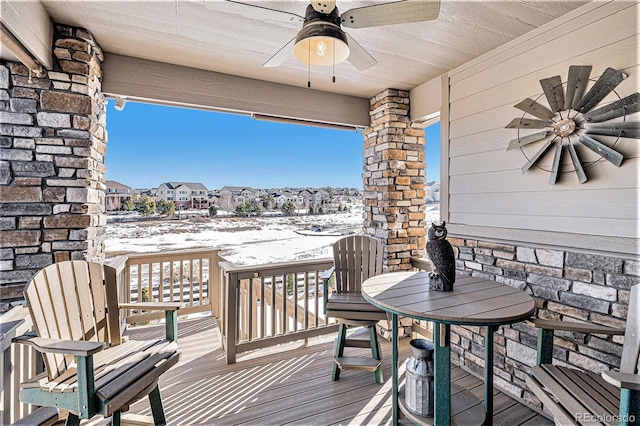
column 185, row 32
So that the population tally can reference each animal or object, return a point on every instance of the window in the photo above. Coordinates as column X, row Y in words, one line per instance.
column 432, row 186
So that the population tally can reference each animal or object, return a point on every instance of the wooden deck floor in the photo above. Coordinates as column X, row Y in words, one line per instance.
column 290, row 384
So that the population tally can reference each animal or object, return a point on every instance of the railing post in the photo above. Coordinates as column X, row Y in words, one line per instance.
column 120, row 268
column 215, row 292
column 17, row 363
column 7, row 388
column 231, row 318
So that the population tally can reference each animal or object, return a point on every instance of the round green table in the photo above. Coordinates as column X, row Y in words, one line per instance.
column 473, row 302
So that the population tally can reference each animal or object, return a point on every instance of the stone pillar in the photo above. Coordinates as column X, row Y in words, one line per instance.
column 52, row 146
column 394, row 179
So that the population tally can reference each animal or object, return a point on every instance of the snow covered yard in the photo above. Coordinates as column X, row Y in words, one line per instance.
column 244, row 241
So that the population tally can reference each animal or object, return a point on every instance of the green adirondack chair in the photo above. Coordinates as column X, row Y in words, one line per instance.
column 577, row 397
column 90, row 367
column 356, row 258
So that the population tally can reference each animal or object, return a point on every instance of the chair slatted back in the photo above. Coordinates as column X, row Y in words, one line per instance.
column 630, row 362
column 356, row 258
column 72, row 300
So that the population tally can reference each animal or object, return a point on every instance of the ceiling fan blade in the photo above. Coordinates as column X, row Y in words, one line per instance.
column 628, row 129
column 281, row 55
column 576, row 84
column 552, row 88
column 252, row 11
column 359, row 57
column 582, row 177
column 535, row 109
column 608, row 81
column 527, row 123
column 611, row 155
column 621, row 107
column 399, row 12
column 526, row 140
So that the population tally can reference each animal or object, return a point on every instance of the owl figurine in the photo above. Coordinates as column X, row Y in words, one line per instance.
column 441, row 257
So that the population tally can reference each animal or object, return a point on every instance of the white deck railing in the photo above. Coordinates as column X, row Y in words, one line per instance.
column 191, row 277
column 256, row 306
column 266, row 305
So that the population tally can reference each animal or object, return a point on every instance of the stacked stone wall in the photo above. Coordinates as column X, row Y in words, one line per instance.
column 566, row 286
column 52, row 147
column 394, row 179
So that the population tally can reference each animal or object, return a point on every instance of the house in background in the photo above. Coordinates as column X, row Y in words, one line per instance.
column 310, row 198
column 286, row 196
column 117, row 194
column 186, row 195
column 232, row 196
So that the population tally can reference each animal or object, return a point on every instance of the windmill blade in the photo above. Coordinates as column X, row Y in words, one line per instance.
column 552, row 88
column 526, row 140
column 399, row 12
column 608, row 81
column 359, row 57
column 536, row 157
column 527, row 123
column 611, row 155
column 252, row 11
column 281, row 55
column 628, row 129
column 535, row 109
column 582, row 177
column 557, row 161
column 576, row 84
column 621, row 107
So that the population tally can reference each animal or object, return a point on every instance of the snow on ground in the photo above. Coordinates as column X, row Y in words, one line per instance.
column 244, row 241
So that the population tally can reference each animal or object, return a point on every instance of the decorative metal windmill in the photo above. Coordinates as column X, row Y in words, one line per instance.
column 571, row 119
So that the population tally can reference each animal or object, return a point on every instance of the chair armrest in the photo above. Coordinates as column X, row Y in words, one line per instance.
column 327, row 274
column 152, row 306
column 170, row 314
column 59, row 346
column 574, row 327
column 622, row 380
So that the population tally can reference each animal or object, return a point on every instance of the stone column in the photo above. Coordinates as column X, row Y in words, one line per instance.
column 394, row 179
column 52, row 146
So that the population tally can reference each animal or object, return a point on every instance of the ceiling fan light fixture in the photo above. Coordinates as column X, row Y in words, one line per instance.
column 321, row 44
column 321, row 41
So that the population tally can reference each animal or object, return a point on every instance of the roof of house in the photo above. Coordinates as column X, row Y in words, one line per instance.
column 114, row 184
column 190, row 185
column 235, row 189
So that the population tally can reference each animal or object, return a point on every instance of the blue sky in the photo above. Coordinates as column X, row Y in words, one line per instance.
column 151, row 144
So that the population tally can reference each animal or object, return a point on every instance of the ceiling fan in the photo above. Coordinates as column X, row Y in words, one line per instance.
column 321, row 41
